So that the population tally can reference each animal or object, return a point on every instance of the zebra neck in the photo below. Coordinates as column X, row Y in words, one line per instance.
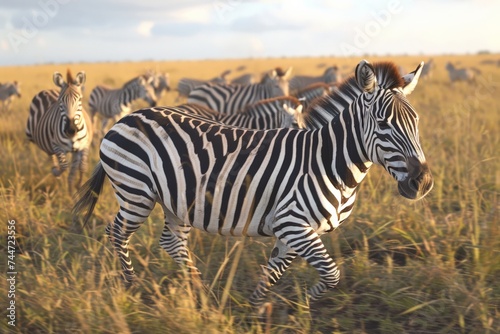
column 129, row 93
column 343, row 154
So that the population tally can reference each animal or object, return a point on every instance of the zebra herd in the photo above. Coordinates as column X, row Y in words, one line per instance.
column 272, row 168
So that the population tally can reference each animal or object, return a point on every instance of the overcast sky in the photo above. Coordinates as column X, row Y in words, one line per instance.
column 41, row 31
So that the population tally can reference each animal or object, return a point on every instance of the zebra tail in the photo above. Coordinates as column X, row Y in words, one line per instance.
column 88, row 194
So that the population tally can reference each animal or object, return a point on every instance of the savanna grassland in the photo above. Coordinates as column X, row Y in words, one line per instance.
column 431, row 266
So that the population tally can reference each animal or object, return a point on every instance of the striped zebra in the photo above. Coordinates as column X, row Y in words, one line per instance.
column 278, row 112
column 186, row 85
column 115, row 103
column 330, row 76
column 461, row 74
column 230, row 99
column 58, row 124
column 291, row 184
column 7, row 92
column 161, row 84
column 307, row 95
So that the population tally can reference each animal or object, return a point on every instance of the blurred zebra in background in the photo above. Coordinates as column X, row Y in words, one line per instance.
column 461, row 74
column 291, row 184
column 7, row 92
column 186, row 85
column 330, row 76
column 115, row 103
column 161, row 84
column 307, row 95
column 230, row 99
column 428, row 69
column 244, row 79
column 278, row 112
column 58, row 124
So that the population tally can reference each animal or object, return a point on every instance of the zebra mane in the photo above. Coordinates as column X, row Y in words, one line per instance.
column 69, row 77
column 325, row 109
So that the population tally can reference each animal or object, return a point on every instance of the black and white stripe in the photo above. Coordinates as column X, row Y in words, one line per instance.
column 7, row 92
column 58, row 124
column 292, row 184
column 230, row 99
column 309, row 94
column 279, row 112
column 115, row 103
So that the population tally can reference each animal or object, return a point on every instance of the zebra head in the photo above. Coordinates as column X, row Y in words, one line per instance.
column 277, row 81
column 69, row 102
column 16, row 89
column 390, row 126
column 146, row 89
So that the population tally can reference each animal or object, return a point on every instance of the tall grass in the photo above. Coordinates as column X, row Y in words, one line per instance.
column 407, row 267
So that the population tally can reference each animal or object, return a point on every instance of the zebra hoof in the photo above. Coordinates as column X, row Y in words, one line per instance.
column 56, row 171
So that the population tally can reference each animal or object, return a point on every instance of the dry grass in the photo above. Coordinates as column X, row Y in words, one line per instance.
column 425, row 267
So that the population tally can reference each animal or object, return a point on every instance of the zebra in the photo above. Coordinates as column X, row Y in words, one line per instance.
column 291, row 184
column 330, row 76
column 58, row 124
column 461, row 74
column 229, row 99
column 278, row 112
column 244, row 79
column 115, row 103
column 307, row 95
column 186, row 85
column 428, row 69
column 161, row 84
column 7, row 92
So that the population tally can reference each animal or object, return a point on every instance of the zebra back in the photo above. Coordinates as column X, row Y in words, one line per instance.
column 230, row 99
column 330, row 76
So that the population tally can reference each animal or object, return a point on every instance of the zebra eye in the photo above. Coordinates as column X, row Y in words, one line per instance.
column 383, row 125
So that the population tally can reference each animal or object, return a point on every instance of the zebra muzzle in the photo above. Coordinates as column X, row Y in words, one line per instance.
column 419, row 181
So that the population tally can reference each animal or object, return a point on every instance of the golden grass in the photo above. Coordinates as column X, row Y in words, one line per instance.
column 424, row 267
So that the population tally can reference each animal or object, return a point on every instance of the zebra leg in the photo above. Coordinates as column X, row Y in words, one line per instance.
column 104, row 123
column 60, row 164
column 129, row 218
column 75, row 163
column 280, row 259
column 306, row 242
column 83, row 166
column 174, row 241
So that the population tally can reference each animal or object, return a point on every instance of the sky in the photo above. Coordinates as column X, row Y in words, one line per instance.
column 62, row 31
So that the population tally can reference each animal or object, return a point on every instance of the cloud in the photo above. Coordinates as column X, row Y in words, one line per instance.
column 144, row 28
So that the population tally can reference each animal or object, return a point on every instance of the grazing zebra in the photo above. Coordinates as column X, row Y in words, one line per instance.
column 292, row 184
column 330, row 76
column 115, row 103
column 230, row 99
column 58, row 124
column 278, row 112
column 307, row 95
column 7, row 92
column 186, row 85
column 461, row 74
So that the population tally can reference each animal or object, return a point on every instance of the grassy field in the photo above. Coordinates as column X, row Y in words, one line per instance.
column 407, row 267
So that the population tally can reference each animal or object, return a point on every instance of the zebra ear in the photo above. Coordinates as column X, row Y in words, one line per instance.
column 58, row 79
column 411, row 79
column 293, row 111
column 366, row 77
column 80, row 78
column 288, row 73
